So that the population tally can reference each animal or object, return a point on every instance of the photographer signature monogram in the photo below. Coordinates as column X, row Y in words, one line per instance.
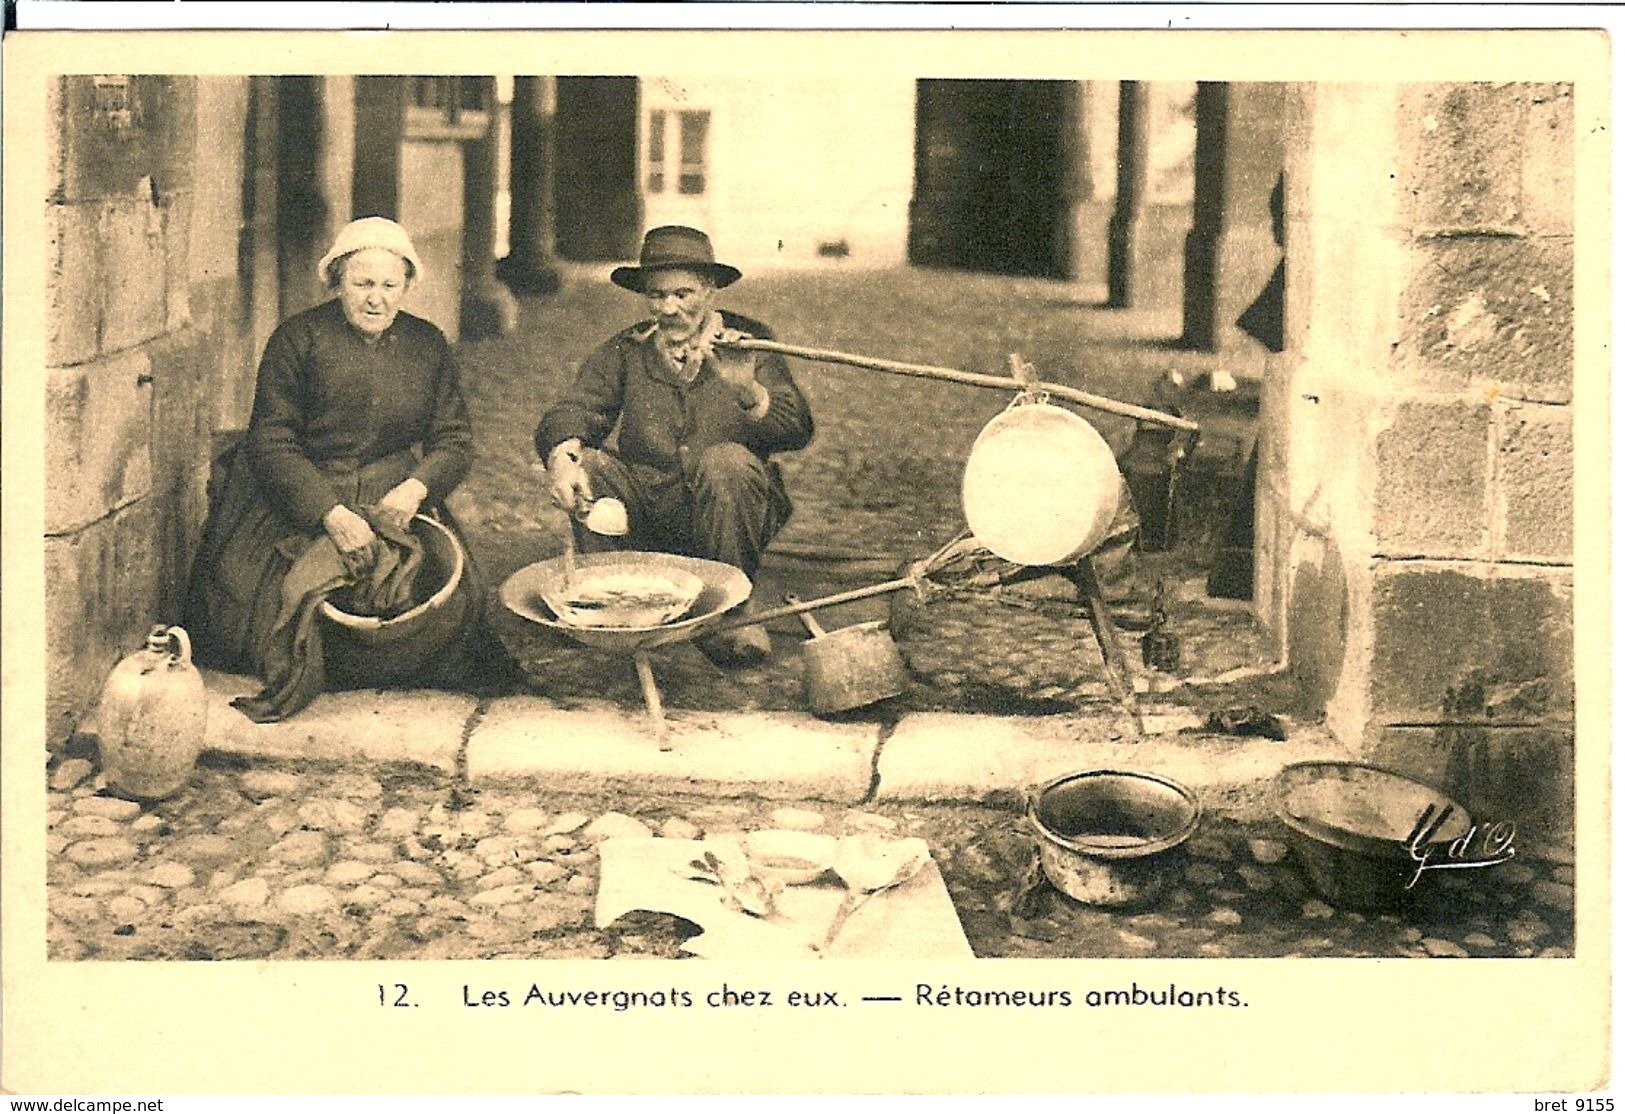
column 1482, row 845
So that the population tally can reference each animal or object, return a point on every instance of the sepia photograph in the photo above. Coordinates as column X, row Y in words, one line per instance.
column 943, row 513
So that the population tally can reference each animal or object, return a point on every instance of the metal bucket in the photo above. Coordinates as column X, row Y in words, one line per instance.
column 1041, row 486
column 1105, row 835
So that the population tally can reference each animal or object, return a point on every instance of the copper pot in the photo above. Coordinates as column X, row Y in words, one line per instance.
column 1106, row 836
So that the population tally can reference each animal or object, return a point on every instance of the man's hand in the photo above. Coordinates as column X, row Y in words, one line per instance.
column 737, row 366
column 402, row 502
column 348, row 530
column 568, row 485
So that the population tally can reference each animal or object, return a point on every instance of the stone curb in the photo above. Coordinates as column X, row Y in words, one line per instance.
column 956, row 757
column 601, row 746
column 421, row 726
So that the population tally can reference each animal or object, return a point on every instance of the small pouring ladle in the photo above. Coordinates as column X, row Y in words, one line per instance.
column 605, row 517
column 867, row 865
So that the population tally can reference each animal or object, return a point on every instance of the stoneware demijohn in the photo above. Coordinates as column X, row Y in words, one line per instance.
column 151, row 716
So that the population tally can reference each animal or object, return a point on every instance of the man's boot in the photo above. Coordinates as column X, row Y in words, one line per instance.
column 746, row 646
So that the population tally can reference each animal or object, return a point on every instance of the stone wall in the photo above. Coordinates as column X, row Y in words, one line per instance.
column 128, row 406
column 184, row 219
column 1415, row 504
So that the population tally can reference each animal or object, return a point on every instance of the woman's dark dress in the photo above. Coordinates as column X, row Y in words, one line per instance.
column 336, row 420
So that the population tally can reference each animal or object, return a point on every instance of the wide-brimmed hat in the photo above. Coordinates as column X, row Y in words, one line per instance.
column 371, row 232
column 674, row 246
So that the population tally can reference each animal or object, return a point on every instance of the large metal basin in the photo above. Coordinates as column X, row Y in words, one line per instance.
column 723, row 588
column 369, row 649
column 1349, row 824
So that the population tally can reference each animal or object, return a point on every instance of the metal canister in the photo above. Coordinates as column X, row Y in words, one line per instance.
column 151, row 717
column 1041, row 486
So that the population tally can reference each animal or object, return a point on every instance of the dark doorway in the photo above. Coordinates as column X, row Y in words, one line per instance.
column 600, row 211
column 301, row 213
column 987, row 176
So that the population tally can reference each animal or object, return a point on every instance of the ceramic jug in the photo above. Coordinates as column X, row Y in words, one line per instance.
column 151, row 716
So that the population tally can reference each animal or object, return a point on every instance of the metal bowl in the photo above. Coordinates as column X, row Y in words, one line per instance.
column 370, row 649
column 1348, row 823
column 788, row 856
column 1105, row 835
column 725, row 588
column 657, row 594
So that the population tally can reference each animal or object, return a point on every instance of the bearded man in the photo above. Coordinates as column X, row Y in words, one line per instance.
column 697, row 423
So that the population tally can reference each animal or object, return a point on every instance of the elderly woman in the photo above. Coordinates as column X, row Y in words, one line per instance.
column 358, row 422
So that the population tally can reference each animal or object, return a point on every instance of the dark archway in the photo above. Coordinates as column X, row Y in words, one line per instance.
column 988, row 171
column 600, row 211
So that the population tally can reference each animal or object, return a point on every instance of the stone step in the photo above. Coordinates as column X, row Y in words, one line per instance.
column 605, row 747
column 421, row 726
column 942, row 756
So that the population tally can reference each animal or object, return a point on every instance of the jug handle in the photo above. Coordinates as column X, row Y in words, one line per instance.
column 183, row 644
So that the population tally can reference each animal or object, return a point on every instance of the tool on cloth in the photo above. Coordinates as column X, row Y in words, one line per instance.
column 851, row 667
column 914, row 920
column 868, row 864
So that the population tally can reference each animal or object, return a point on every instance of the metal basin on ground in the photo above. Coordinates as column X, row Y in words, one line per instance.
column 723, row 588
column 1106, row 836
column 1349, row 824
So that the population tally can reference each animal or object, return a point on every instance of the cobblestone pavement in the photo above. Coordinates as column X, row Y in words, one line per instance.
column 1032, row 653
column 282, row 863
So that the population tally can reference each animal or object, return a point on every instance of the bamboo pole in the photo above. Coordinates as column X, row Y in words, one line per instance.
column 971, row 379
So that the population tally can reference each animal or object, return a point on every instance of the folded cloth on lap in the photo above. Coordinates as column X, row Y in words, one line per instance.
column 380, row 579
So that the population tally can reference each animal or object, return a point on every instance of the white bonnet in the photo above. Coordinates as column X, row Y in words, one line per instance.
column 371, row 232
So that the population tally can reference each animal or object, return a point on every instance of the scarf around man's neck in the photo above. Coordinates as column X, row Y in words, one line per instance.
column 686, row 358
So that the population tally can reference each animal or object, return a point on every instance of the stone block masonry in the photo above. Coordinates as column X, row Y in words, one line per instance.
column 127, row 403
column 1534, row 493
column 1489, row 311
column 98, row 588
column 98, row 431
column 1426, row 453
column 1441, row 631
column 1434, row 460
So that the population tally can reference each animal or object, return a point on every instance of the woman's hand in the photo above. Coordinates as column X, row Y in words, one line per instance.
column 568, row 485
column 402, row 502
column 348, row 530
